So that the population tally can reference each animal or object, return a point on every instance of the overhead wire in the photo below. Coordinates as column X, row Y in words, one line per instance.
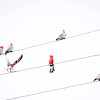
column 54, row 63
column 58, row 89
column 55, row 41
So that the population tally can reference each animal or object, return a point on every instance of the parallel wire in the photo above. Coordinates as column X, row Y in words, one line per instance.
column 51, row 90
column 54, row 63
column 56, row 41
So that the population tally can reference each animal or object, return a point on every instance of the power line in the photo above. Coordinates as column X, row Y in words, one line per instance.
column 56, row 41
column 51, row 90
column 54, row 63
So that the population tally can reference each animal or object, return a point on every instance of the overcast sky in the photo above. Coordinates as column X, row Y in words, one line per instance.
column 30, row 22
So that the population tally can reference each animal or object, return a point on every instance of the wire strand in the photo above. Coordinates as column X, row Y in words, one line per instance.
column 56, row 41
column 51, row 90
column 54, row 63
